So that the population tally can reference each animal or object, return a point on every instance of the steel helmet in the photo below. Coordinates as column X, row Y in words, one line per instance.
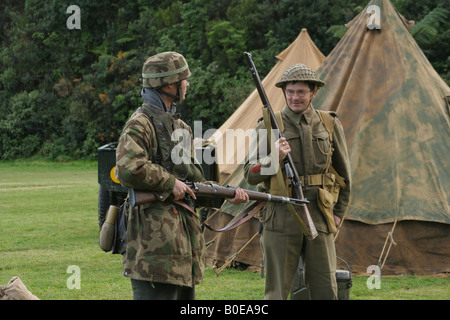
column 299, row 72
column 163, row 69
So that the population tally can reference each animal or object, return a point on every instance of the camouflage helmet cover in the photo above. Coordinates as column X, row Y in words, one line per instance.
column 299, row 72
column 163, row 69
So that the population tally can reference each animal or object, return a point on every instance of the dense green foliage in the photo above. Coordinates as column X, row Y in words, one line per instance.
column 64, row 92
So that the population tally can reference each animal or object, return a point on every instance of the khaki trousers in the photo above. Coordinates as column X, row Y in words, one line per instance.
column 282, row 244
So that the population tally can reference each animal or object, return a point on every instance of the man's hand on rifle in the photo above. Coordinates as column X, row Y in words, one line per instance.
column 180, row 188
column 283, row 148
column 239, row 197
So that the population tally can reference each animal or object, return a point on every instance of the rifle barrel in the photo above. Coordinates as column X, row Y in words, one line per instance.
column 228, row 191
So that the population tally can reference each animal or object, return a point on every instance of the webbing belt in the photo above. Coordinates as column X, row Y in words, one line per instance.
column 312, row 180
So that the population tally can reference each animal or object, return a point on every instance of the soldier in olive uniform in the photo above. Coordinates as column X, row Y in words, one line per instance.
column 321, row 159
column 165, row 244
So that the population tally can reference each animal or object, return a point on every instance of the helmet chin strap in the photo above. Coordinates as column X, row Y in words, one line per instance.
column 177, row 98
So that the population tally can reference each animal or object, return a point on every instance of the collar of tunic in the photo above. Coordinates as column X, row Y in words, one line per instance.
column 297, row 117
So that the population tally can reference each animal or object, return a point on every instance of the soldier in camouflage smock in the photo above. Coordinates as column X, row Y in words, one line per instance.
column 165, row 244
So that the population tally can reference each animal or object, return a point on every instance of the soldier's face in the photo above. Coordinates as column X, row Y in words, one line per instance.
column 173, row 89
column 298, row 96
column 184, row 86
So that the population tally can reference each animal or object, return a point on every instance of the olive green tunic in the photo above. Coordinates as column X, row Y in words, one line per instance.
column 282, row 240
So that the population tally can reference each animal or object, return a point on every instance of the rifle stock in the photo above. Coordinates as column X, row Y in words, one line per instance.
column 304, row 220
column 138, row 197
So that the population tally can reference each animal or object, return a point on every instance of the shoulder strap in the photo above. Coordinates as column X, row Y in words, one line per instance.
column 280, row 122
column 156, row 156
column 327, row 119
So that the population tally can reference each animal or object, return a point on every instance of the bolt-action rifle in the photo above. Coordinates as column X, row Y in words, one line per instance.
column 211, row 190
column 303, row 217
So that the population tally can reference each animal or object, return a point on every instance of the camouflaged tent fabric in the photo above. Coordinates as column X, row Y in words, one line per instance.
column 163, row 69
column 164, row 241
column 392, row 105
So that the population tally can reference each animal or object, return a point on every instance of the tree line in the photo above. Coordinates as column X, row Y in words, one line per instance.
column 65, row 91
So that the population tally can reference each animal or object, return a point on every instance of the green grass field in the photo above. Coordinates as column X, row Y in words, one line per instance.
column 48, row 222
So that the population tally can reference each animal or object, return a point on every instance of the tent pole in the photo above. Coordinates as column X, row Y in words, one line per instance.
column 230, row 259
column 392, row 242
column 339, row 228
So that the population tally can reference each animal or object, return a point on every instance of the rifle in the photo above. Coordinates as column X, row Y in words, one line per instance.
column 211, row 190
column 304, row 220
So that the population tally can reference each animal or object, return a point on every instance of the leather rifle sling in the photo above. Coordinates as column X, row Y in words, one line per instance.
column 236, row 222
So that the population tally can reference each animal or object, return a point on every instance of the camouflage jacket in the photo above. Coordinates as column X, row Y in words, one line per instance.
column 164, row 241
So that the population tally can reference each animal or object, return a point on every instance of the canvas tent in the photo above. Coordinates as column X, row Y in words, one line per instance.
column 301, row 50
column 395, row 112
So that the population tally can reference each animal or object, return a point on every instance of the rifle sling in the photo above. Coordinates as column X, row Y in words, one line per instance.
column 241, row 218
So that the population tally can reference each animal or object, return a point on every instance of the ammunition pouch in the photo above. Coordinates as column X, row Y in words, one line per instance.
column 331, row 185
column 327, row 197
column 325, row 201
